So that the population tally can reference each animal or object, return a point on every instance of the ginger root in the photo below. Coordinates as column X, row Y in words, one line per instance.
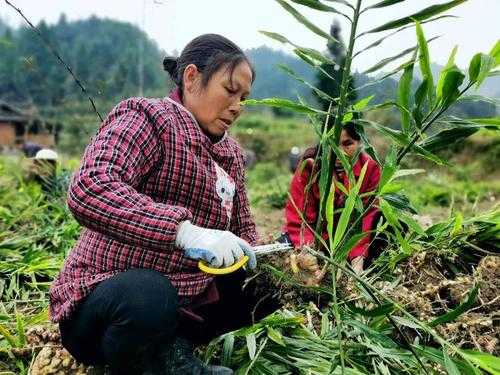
column 306, row 266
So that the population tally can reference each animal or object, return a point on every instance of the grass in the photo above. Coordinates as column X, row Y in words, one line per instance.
column 388, row 338
column 380, row 332
column 36, row 233
column 268, row 185
column 272, row 138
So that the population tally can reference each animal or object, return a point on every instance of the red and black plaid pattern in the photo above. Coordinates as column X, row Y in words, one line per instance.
column 148, row 168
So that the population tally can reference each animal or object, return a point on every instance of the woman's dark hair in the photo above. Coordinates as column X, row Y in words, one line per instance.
column 209, row 52
column 349, row 127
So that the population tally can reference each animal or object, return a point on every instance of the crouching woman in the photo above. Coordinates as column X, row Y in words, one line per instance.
column 160, row 187
column 305, row 200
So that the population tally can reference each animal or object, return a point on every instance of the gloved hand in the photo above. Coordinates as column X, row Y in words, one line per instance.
column 217, row 247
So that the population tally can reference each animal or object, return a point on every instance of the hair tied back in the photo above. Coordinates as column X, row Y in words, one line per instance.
column 170, row 65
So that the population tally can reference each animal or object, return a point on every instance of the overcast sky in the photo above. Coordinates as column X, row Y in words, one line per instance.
column 173, row 23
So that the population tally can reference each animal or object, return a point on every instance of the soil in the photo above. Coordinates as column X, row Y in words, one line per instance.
column 425, row 288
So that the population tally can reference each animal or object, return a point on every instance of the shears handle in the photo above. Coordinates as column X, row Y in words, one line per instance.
column 222, row 271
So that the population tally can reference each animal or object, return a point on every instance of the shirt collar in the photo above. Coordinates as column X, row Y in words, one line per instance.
column 176, row 96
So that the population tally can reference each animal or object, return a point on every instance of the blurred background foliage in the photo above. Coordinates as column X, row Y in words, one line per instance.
column 104, row 55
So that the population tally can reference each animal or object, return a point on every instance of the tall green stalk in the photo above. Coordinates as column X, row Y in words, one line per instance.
column 344, row 87
column 340, row 110
column 329, row 156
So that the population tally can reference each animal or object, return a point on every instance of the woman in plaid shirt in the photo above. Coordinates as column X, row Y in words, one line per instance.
column 160, row 187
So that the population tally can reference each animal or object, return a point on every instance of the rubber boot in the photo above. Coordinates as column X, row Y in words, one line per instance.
column 179, row 359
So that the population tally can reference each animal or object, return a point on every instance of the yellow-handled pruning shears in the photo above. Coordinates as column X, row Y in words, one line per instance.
column 258, row 250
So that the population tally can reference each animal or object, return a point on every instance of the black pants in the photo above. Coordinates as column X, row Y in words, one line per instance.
column 127, row 319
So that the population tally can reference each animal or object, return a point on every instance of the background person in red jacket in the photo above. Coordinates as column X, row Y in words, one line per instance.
column 300, row 234
column 161, row 186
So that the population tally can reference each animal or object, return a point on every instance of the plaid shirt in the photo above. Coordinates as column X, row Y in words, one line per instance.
column 149, row 168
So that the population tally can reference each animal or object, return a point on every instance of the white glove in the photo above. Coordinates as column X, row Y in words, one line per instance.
column 217, row 247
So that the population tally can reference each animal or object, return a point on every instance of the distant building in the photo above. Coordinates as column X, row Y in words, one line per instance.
column 18, row 127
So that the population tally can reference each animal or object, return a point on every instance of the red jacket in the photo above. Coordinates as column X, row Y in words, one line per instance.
column 297, row 188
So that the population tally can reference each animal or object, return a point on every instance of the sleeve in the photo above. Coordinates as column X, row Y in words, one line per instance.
column 297, row 201
column 368, row 221
column 103, row 194
column 242, row 223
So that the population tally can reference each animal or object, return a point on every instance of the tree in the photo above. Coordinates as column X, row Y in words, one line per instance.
column 7, row 51
column 101, row 53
